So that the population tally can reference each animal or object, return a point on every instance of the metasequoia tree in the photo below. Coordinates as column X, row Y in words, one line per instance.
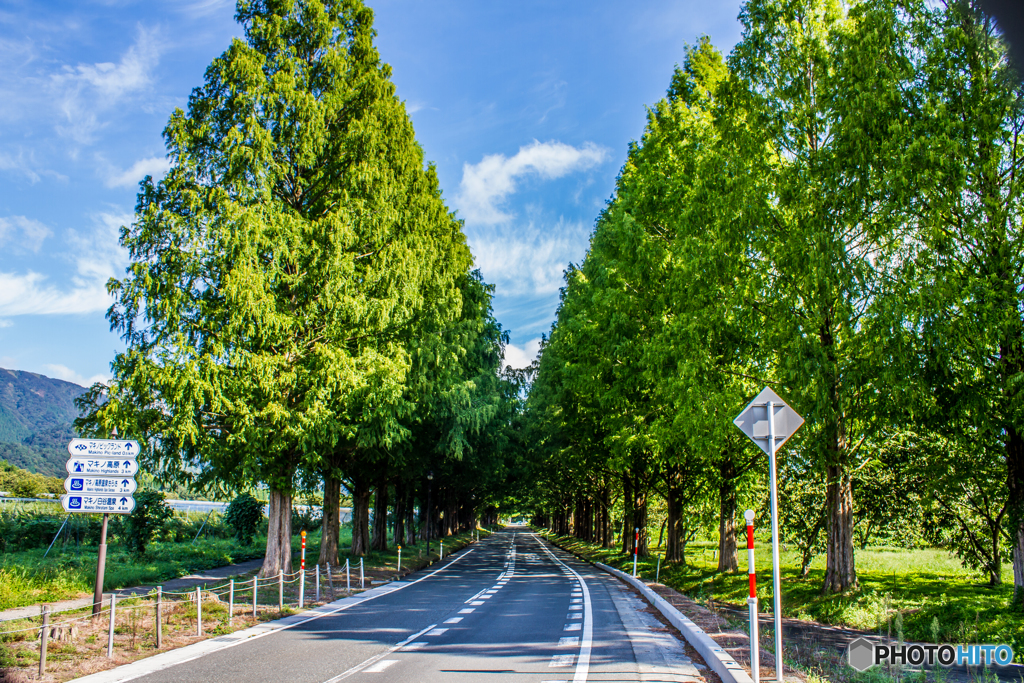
column 280, row 268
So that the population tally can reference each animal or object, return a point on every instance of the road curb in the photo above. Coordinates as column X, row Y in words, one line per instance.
column 718, row 659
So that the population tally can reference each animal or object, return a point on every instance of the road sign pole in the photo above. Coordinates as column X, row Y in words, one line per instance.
column 776, row 568
column 101, row 561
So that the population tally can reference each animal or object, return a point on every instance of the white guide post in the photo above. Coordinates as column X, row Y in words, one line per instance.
column 776, row 568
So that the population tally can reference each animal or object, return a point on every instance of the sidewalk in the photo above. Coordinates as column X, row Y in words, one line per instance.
column 190, row 581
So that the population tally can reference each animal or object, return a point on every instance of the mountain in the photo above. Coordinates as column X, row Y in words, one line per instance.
column 36, row 415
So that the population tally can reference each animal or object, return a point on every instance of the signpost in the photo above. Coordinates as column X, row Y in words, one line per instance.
column 118, row 486
column 769, row 422
column 101, row 480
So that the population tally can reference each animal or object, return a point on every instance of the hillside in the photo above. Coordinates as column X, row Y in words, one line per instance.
column 36, row 415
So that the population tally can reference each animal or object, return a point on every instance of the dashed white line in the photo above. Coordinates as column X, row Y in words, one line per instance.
column 468, row 610
column 562, row 660
column 380, row 666
column 453, row 620
column 436, row 632
column 477, row 602
column 569, row 640
column 572, row 627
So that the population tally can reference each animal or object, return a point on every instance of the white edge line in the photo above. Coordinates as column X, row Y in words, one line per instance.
column 586, row 642
column 104, row 676
column 376, row 658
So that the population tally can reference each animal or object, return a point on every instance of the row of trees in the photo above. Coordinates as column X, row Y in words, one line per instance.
column 300, row 310
column 834, row 210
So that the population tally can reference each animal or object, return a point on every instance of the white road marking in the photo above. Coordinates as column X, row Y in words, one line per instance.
column 380, row 666
column 376, row 658
column 436, row 632
column 468, row 610
column 572, row 627
column 576, row 601
column 573, row 615
column 572, row 607
column 482, row 597
column 453, row 620
column 569, row 640
column 414, row 646
column 562, row 660
column 477, row 602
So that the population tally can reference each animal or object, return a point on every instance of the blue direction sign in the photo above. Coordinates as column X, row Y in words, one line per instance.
column 122, row 505
column 103, row 448
column 105, row 467
column 94, row 485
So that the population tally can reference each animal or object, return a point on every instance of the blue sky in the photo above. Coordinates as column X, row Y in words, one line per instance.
column 527, row 109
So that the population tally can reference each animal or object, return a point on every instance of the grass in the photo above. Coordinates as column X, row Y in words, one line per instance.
column 936, row 598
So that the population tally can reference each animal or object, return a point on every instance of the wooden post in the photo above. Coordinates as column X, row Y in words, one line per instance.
column 43, row 635
column 159, row 617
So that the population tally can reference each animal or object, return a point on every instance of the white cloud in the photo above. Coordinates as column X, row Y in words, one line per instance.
column 87, row 90
column 97, row 257
column 154, row 166
column 5, row 323
column 32, row 232
column 486, row 184
column 528, row 259
column 521, row 356
column 68, row 375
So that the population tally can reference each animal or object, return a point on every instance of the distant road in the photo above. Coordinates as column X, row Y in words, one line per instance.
column 510, row 608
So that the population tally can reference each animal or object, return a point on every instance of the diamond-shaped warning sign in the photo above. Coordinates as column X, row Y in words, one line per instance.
column 753, row 420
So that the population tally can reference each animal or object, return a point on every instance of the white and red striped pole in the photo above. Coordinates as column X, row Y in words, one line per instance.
column 752, row 600
column 302, row 573
column 636, row 545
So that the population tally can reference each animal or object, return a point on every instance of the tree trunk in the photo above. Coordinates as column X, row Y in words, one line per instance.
column 410, row 517
column 399, row 513
column 279, row 535
column 727, row 518
column 627, row 514
column 674, row 524
column 330, row 529
column 1015, row 484
column 606, row 519
column 840, row 572
column 360, row 518
column 380, row 518
column 640, row 522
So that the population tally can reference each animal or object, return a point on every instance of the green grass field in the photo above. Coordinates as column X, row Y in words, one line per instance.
column 935, row 598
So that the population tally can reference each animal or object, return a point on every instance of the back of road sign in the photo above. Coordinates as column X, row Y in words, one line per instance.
column 753, row 420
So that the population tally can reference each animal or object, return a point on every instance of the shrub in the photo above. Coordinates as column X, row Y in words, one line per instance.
column 244, row 515
column 138, row 528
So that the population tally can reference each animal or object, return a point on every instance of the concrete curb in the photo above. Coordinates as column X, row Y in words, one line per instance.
column 725, row 666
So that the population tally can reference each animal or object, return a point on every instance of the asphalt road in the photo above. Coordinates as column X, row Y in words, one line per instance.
column 510, row 608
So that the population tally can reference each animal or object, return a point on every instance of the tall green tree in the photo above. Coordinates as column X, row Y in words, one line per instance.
column 960, row 172
column 281, row 267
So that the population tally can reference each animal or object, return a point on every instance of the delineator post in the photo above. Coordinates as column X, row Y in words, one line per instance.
column 752, row 600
